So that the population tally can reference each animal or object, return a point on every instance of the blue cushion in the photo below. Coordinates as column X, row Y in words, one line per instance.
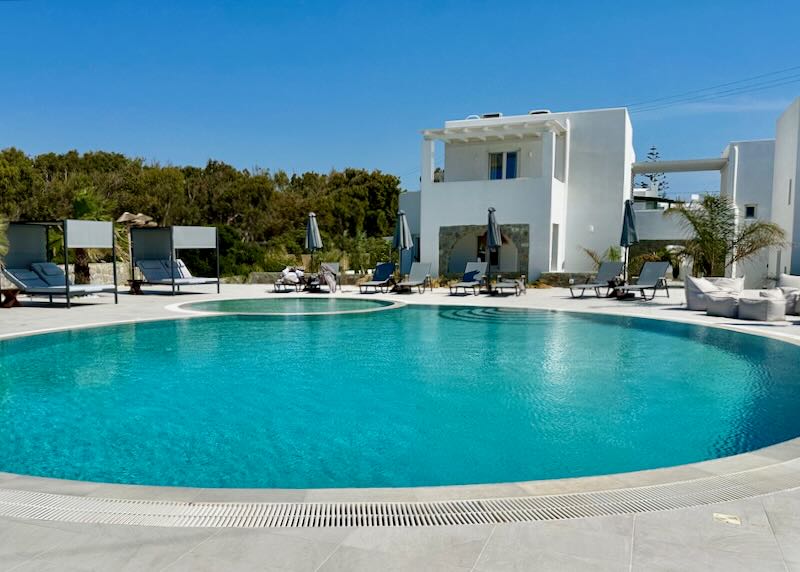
column 470, row 276
column 50, row 273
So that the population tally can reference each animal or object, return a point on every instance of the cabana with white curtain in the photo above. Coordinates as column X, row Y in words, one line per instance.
column 27, row 265
column 155, row 253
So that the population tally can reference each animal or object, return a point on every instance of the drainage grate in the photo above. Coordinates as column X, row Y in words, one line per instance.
column 66, row 508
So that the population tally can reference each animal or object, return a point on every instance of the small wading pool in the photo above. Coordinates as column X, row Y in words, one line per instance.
column 290, row 306
column 420, row 395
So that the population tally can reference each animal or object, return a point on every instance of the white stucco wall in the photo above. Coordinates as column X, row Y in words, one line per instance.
column 748, row 178
column 470, row 161
column 600, row 158
column 410, row 203
column 517, row 201
column 784, row 183
column 654, row 224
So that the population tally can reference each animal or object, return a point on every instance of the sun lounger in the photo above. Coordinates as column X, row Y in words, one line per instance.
column 52, row 274
column 518, row 286
column 381, row 278
column 292, row 279
column 473, row 277
column 157, row 272
column 650, row 278
column 419, row 277
column 51, row 283
column 608, row 271
column 327, row 277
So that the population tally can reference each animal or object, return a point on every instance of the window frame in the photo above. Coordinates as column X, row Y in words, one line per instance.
column 755, row 211
column 504, row 164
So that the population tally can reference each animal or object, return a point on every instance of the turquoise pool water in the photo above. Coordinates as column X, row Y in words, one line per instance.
column 403, row 397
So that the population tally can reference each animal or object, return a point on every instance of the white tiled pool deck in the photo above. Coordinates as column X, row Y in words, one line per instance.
column 755, row 532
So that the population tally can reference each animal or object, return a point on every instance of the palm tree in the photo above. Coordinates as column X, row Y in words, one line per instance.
column 611, row 253
column 715, row 241
column 87, row 205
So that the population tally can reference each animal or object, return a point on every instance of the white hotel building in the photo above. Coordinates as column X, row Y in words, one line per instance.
column 559, row 182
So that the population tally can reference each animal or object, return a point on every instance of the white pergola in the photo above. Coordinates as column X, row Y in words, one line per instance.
column 478, row 131
column 684, row 166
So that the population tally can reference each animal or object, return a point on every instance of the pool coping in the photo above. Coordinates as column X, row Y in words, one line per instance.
column 761, row 465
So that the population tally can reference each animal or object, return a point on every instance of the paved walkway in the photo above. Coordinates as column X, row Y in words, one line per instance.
column 760, row 533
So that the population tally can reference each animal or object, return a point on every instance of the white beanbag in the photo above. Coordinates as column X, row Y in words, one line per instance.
column 722, row 304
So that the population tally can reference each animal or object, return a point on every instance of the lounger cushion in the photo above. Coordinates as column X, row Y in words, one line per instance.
column 51, row 273
column 788, row 281
column 470, row 276
column 722, row 304
column 153, row 270
column 762, row 309
column 696, row 290
column 25, row 278
column 180, row 269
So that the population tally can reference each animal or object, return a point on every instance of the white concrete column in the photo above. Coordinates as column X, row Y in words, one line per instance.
column 548, row 154
column 541, row 233
column 731, row 180
column 429, row 230
column 428, row 158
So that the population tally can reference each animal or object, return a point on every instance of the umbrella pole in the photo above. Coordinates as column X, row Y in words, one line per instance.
column 625, row 266
column 488, row 271
column 130, row 254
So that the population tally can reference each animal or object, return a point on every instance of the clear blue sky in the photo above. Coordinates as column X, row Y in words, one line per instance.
column 320, row 85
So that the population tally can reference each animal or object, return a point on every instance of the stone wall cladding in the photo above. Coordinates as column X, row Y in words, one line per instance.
column 561, row 279
column 519, row 234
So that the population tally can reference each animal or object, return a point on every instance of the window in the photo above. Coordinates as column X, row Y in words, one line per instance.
column 503, row 165
column 749, row 211
column 511, row 165
column 495, row 166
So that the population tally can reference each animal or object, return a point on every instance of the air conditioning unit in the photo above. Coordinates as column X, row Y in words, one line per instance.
column 491, row 115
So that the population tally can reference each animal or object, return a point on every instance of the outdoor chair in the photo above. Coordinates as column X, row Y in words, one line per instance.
column 474, row 275
column 518, row 286
column 320, row 280
column 652, row 278
column 52, row 274
column 53, row 284
column 606, row 273
column 291, row 280
column 157, row 272
column 419, row 277
column 381, row 279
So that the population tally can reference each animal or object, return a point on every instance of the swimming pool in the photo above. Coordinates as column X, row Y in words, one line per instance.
column 418, row 395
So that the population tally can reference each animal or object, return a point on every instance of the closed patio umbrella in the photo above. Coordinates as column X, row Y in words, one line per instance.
column 629, row 235
column 313, row 238
column 130, row 220
column 493, row 242
column 402, row 238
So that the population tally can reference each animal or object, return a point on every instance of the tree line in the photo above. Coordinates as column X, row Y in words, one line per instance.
column 260, row 214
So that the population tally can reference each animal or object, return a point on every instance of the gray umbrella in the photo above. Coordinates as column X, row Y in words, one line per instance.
column 493, row 242
column 402, row 237
column 629, row 235
column 313, row 238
